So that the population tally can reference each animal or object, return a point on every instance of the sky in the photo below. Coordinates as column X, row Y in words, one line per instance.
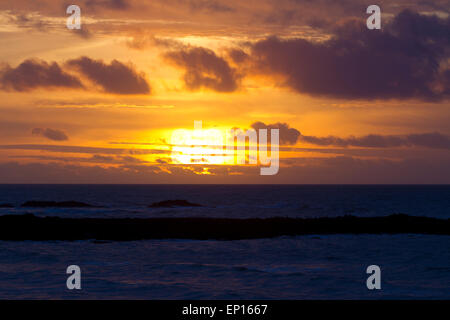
column 117, row 100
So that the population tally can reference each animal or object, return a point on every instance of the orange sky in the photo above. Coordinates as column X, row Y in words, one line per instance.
column 100, row 105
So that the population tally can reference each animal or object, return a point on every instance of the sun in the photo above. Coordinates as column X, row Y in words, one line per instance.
column 200, row 146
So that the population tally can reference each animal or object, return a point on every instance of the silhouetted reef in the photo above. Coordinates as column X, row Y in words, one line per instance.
column 30, row 227
column 54, row 204
column 173, row 204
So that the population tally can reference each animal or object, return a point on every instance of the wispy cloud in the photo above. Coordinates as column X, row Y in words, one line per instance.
column 434, row 140
column 82, row 149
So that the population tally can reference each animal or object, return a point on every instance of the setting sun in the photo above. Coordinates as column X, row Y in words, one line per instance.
column 200, row 146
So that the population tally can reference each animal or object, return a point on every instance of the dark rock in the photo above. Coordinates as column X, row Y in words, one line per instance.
column 30, row 227
column 173, row 203
column 54, row 204
column 6, row 205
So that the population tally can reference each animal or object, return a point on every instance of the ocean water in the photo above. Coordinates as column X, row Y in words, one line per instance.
column 302, row 267
column 233, row 201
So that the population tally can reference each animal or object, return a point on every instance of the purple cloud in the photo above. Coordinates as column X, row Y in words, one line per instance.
column 115, row 77
column 204, row 69
column 434, row 140
column 406, row 59
column 52, row 134
column 288, row 136
column 32, row 74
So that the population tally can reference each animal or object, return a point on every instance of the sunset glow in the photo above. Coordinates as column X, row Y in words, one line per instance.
column 122, row 92
column 200, row 147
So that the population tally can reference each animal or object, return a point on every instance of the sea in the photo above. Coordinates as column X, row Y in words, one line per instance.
column 412, row 266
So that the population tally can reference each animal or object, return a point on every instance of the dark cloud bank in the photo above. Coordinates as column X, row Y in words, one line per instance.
column 329, row 170
column 32, row 74
column 433, row 140
column 115, row 77
column 406, row 59
column 290, row 136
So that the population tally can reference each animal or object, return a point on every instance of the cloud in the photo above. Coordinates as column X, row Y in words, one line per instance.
column 237, row 55
column 107, row 4
column 209, row 6
column 29, row 21
column 218, row 17
column 32, row 74
column 94, row 159
column 143, row 41
column 115, row 77
column 343, row 169
column 406, row 59
column 332, row 170
column 434, row 140
column 83, row 33
column 288, row 136
column 82, row 149
column 204, row 69
column 52, row 134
